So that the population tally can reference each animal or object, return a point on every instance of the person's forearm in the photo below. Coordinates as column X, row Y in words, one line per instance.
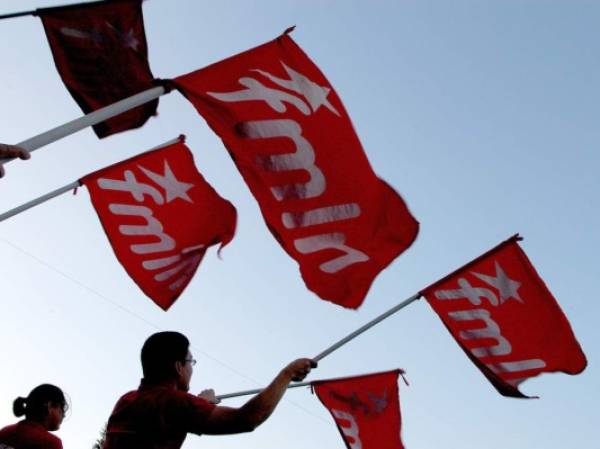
column 260, row 407
column 224, row 420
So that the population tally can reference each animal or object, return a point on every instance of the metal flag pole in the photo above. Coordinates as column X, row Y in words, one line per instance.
column 258, row 390
column 366, row 327
column 42, row 199
column 336, row 345
column 90, row 119
column 303, row 384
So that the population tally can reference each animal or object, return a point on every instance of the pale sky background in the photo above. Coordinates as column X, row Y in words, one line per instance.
column 482, row 114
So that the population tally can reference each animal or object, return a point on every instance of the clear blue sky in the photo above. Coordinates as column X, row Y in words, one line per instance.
column 483, row 115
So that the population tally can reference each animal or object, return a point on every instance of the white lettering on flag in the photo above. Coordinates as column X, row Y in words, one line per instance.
column 257, row 91
column 350, row 431
column 177, row 265
column 302, row 158
column 507, row 288
column 490, row 331
column 153, row 227
column 321, row 242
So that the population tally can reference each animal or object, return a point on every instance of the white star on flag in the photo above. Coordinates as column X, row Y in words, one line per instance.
column 172, row 186
column 506, row 286
column 128, row 38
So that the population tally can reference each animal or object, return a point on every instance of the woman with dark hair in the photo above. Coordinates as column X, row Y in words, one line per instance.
column 44, row 410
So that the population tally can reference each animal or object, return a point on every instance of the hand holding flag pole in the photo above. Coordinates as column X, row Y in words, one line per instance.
column 12, row 151
column 543, row 342
column 294, row 385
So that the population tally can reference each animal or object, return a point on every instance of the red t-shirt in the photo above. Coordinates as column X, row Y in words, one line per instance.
column 28, row 435
column 155, row 417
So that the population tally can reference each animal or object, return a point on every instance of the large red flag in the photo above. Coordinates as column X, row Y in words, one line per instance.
column 160, row 216
column 505, row 319
column 294, row 144
column 365, row 409
column 101, row 54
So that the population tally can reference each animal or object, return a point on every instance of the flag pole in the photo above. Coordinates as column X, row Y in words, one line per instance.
column 301, row 384
column 366, row 327
column 336, row 345
column 18, row 14
column 42, row 199
column 90, row 119
column 258, row 390
column 35, row 12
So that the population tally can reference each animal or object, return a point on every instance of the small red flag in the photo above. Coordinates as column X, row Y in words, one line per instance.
column 365, row 409
column 294, row 144
column 101, row 55
column 160, row 216
column 503, row 316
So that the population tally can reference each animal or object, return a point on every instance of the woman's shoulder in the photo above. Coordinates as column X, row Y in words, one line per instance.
column 49, row 440
column 8, row 430
column 25, row 432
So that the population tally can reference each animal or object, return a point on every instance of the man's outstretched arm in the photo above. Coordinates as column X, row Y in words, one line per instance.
column 226, row 420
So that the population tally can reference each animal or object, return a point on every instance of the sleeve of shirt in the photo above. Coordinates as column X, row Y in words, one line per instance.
column 193, row 413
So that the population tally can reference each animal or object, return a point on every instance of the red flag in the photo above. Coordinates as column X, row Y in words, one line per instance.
column 101, row 55
column 160, row 216
column 365, row 409
column 293, row 142
column 505, row 319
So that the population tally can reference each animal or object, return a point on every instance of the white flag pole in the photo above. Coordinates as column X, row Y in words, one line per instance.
column 299, row 384
column 90, row 119
column 336, row 345
column 42, row 199
column 258, row 390
column 366, row 327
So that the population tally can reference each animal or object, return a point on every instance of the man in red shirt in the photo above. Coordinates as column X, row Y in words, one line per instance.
column 11, row 151
column 161, row 412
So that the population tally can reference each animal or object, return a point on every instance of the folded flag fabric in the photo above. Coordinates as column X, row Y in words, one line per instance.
column 294, row 144
column 101, row 54
column 500, row 312
column 160, row 216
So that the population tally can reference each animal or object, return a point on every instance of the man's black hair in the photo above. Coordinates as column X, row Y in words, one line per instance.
column 159, row 354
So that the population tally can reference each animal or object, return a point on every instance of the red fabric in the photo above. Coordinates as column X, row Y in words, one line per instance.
column 28, row 435
column 365, row 409
column 160, row 216
column 505, row 319
column 155, row 417
column 294, row 144
column 101, row 55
